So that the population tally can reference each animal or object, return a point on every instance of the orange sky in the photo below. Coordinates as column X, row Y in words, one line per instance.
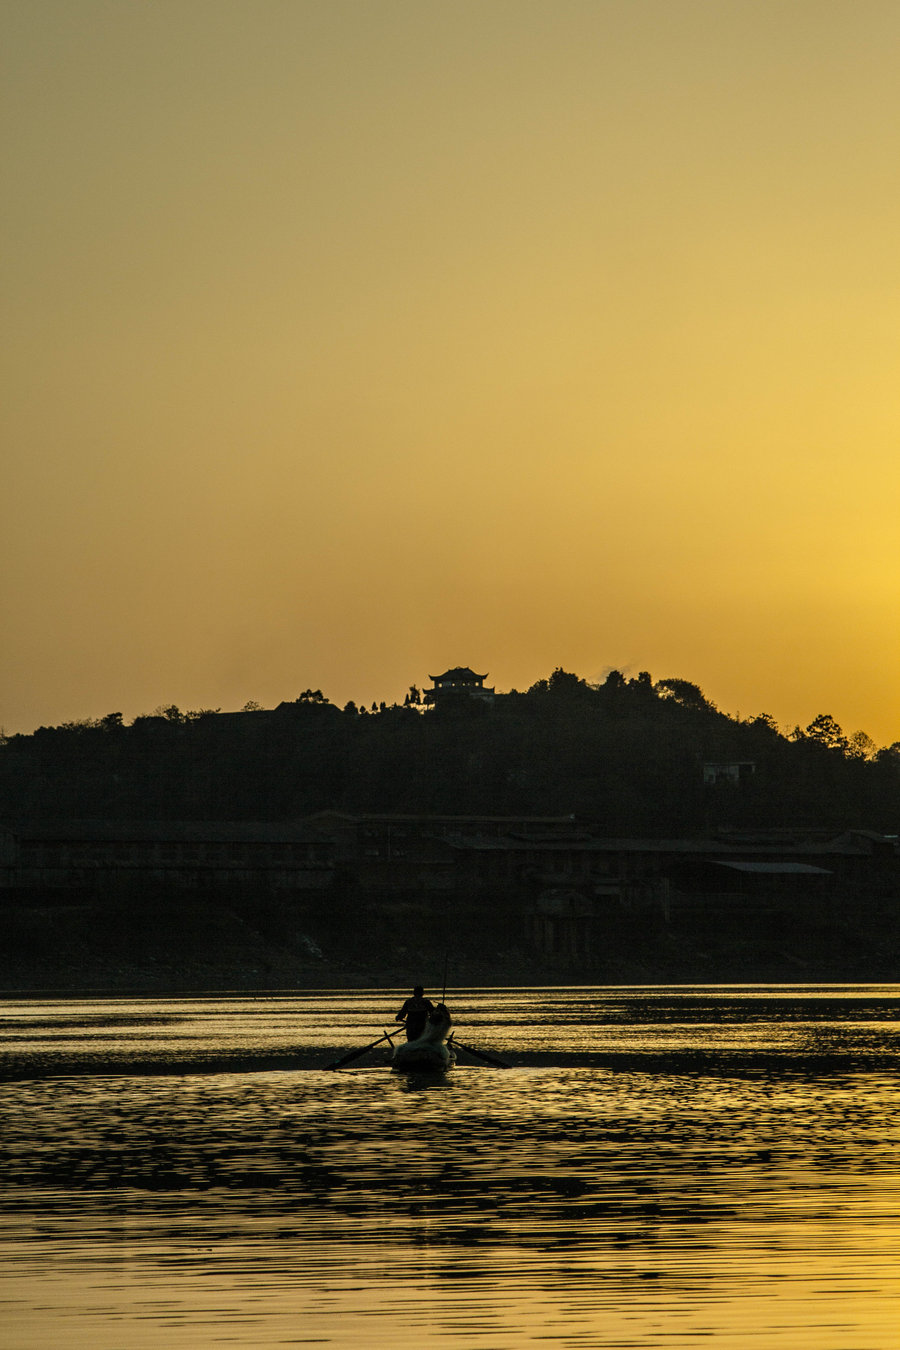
column 344, row 342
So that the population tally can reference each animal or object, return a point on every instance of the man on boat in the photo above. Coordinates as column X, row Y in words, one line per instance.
column 415, row 1013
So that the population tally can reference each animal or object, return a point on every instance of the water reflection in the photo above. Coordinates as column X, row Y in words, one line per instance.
column 750, row 1196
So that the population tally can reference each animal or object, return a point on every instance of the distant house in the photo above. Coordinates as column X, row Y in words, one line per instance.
column 456, row 682
column 732, row 773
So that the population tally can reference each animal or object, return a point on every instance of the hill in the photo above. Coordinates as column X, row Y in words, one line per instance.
column 641, row 758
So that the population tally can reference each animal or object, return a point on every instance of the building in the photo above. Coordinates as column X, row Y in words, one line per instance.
column 729, row 773
column 79, row 857
column 456, row 683
column 558, row 884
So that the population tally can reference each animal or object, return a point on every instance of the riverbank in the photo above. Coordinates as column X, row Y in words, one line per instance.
column 196, row 947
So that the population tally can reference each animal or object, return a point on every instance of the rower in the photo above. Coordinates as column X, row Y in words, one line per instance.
column 415, row 1013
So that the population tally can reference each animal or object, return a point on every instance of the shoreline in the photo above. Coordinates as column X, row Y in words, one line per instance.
column 236, row 984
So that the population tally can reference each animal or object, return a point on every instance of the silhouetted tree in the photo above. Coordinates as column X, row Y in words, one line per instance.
column 824, row 730
column 861, row 746
column 690, row 695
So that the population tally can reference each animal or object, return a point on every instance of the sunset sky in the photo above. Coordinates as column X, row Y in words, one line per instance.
column 347, row 341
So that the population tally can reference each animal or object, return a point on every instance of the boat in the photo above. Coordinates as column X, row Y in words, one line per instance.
column 430, row 1052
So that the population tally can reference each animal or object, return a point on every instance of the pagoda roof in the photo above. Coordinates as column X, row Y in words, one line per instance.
column 461, row 673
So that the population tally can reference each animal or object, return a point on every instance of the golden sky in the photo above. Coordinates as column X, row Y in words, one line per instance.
column 347, row 341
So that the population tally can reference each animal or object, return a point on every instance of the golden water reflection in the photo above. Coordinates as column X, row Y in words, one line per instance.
column 742, row 1187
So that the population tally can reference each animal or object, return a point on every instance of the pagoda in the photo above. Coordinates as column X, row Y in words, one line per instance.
column 456, row 682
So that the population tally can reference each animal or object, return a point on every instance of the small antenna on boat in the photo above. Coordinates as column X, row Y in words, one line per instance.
column 444, row 990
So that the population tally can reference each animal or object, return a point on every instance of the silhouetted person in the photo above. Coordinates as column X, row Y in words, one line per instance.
column 415, row 1013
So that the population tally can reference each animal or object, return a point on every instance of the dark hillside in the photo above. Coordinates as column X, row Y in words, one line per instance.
column 629, row 754
column 178, row 901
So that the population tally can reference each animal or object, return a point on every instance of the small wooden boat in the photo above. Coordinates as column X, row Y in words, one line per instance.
column 428, row 1053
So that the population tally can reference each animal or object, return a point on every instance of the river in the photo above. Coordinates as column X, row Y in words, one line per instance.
column 658, row 1167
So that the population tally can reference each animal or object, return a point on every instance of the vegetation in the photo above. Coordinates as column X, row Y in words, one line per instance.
column 628, row 753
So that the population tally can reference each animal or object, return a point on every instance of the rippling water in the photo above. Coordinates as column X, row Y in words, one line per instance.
column 657, row 1168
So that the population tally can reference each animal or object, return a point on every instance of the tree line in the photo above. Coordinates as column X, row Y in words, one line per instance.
column 627, row 754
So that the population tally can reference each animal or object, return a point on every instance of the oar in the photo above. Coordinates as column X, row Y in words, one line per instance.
column 355, row 1054
column 479, row 1054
